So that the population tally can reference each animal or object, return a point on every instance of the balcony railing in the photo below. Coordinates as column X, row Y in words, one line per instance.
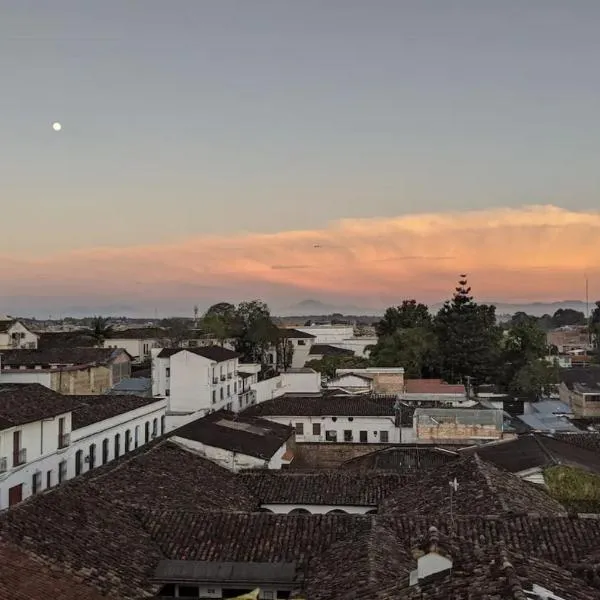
column 222, row 377
column 19, row 457
column 215, row 380
column 3, row 465
column 229, row 375
column 64, row 440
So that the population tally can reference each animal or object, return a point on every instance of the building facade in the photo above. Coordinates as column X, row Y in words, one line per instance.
column 13, row 334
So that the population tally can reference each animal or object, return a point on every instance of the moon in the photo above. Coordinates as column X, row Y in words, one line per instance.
column 56, row 126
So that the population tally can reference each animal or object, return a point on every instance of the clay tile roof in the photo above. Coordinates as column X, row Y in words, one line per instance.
column 328, row 350
column 432, row 386
column 95, row 408
column 319, row 405
column 214, row 353
column 26, row 403
column 402, row 459
column 483, row 489
column 139, row 333
column 326, row 487
column 243, row 434
column 58, row 356
column 66, row 339
column 296, row 334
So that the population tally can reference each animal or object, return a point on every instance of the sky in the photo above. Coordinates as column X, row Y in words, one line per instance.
column 347, row 151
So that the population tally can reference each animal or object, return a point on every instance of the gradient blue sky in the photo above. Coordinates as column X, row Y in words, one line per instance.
column 188, row 118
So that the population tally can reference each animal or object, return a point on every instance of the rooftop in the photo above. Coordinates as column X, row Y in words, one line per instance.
column 93, row 409
column 432, row 386
column 237, row 433
column 297, row 405
column 296, row 334
column 214, row 353
column 66, row 339
column 402, row 459
column 328, row 350
column 583, row 380
column 133, row 385
column 58, row 356
column 139, row 333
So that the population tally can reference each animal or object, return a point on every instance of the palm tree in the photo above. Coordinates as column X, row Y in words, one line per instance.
column 102, row 329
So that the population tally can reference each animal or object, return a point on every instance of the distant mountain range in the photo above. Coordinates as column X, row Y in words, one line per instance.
column 316, row 307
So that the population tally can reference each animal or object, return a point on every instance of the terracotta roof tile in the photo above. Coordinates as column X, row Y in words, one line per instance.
column 214, row 353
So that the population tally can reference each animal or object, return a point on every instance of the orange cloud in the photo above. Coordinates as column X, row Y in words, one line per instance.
column 530, row 253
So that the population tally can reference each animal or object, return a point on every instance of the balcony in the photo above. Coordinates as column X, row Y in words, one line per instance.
column 215, row 380
column 64, row 440
column 3, row 464
column 19, row 457
column 229, row 375
column 223, row 377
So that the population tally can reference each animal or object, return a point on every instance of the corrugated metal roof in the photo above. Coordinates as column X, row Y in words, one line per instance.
column 548, row 423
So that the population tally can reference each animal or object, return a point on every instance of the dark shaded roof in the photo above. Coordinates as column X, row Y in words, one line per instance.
column 66, row 339
column 6, row 324
column 237, row 433
column 59, row 356
column 584, row 380
column 402, row 459
column 483, row 489
column 139, row 333
column 90, row 526
column 216, row 353
column 296, row 405
column 432, row 386
column 325, row 487
column 291, row 333
column 26, row 577
column 141, row 373
column 133, row 385
column 589, row 441
column 93, row 409
column 328, row 350
column 26, row 403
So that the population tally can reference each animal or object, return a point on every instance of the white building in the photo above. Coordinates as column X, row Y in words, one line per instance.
column 137, row 342
column 300, row 381
column 300, row 344
column 381, row 380
column 47, row 438
column 334, row 418
column 195, row 381
column 238, row 442
column 13, row 334
column 341, row 336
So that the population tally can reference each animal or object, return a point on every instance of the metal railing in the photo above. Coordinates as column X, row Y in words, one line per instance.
column 19, row 457
column 64, row 440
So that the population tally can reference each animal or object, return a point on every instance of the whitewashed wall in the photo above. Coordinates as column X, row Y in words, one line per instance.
column 29, row 339
column 30, row 376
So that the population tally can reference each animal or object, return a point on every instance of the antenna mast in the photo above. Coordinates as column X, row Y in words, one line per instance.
column 587, row 308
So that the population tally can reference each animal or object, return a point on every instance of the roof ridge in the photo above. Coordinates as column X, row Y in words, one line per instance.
column 513, row 580
column 483, row 466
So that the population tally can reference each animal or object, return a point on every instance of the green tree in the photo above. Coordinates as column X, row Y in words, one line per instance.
column 177, row 330
column 328, row 365
column 408, row 315
column 284, row 352
column 257, row 332
column 221, row 321
column 468, row 337
column 413, row 348
column 102, row 329
column 567, row 316
column 536, row 379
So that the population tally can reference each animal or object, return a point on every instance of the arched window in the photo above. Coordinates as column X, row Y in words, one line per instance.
column 78, row 462
column 299, row 511
column 92, row 455
column 137, row 436
column 154, row 428
column 127, row 440
column 337, row 511
column 105, row 451
column 162, row 425
column 147, row 432
column 117, row 445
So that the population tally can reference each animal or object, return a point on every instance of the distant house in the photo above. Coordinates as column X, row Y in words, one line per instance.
column 434, row 389
column 320, row 351
column 580, row 389
column 238, row 442
column 137, row 341
column 195, row 381
column 47, row 438
column 13, row 334
column 67, row 370
column 301, row 344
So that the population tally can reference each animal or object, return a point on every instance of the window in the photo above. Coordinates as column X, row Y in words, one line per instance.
column 363, row 437
column 127, row 440
column 62, row 471
column 78, row 462
column 214, row 396
column 228, row 390
column 235, row 387
column 154, row 427
column 18, row 452
column 104, row 451
column 384, row 437
column 62, row 440
column 300, row 428
column 348, row 435
column 15, row 494
column 136, row 441
column 167, row 392
column 92, row 456
column 301, row 343
column 331, row 436
column 162, row 425
column 117, row 445
column 168, row 372
column 268, row 595
column 36, row 482
column 221, row 393
column 229, row 406
column 147, row 431
column 316, row 428
column 49, row 479
column 188, row 591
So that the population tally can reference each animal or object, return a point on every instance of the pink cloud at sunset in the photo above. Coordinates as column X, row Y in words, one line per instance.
column 526, row 254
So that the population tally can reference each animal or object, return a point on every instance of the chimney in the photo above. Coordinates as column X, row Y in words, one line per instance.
column 432, row 562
